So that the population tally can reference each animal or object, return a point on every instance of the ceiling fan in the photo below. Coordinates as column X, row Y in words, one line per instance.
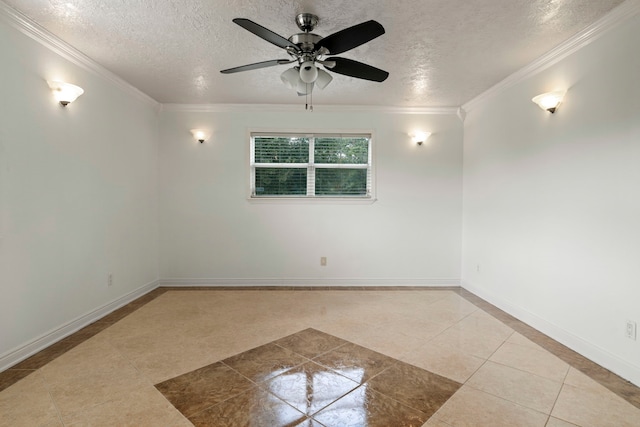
column 308, row 50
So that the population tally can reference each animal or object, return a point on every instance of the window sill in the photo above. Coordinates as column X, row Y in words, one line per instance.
column 313, row 200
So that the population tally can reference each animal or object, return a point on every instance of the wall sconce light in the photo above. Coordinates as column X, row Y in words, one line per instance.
column 200, row 135
column 65, row 93
column 549, row 101
column 420, row 137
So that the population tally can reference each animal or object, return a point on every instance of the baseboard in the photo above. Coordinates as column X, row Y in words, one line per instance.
column 213, row 282
column 20, row 353
column 589, row 350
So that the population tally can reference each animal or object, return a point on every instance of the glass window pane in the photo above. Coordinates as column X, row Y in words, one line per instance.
column 281, row 182
column 341, row 150
column 282, row 149
column 341, row 182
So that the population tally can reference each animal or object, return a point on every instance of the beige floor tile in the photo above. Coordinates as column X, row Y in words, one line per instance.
column 406, row 310
column 388, row 342
column 580, row 380
column 446, row 361
column 591, row 407
column 519, row 339
column 470, row 407
column 435, row 423
column 78, row 393
column 470, row 341
column 516, row 386
column 343, row 327
column 555, row 422
column 451, row 308
column 539, row 362
column 420, row 329
column 140, row 407
column 479, row 322
column 27, row 403
column 181, row 357
column 96, row 355
column 88, row 375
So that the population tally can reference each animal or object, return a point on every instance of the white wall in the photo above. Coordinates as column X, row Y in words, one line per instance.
column 211, row 233
column 78, row 194
column 551, row 202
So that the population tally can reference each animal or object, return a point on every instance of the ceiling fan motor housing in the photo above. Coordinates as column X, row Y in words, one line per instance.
column 305, row 41
column 307, row 21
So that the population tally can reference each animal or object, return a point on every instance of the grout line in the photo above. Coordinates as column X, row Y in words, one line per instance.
column 48, row 388
column 505, row 399
column 559, row 392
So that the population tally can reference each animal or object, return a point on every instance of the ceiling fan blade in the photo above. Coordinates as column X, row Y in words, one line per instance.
column 351, row 37
column 265, row 33
column 356, row 69
column 256, row 65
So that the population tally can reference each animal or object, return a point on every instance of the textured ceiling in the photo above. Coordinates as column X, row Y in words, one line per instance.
column 438, row 52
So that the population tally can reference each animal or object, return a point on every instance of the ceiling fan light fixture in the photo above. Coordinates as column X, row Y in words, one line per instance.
column 290, row 77
column 308, row 72
column 323, row 79
column 304, row 88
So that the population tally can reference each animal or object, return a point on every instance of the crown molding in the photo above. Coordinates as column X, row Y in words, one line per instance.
column 299, row 108
column 608, row 22
column 34, row 31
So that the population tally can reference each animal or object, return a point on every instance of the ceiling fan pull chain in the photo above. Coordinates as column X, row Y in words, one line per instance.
column 308, row 106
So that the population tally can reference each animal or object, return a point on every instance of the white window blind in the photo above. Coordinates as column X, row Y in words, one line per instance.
column 311, row 165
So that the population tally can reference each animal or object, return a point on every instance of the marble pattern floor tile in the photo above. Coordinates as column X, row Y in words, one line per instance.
column 414, row 387
column 366, row 407
column 198, row 390
column 355, row 362
column 310, row 387
column 264, row 362
column 348, row 385
column 255, row 407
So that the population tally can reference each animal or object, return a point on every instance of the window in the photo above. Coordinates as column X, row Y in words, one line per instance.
column 310, row 165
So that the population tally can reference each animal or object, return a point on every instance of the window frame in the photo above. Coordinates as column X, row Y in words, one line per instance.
column 311, row 167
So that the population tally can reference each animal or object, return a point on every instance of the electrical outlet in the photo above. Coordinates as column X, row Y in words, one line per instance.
column 631, row 330
column 110, row 279
column 323, row 261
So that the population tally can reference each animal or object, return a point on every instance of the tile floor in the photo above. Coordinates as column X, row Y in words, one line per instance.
column 312, row 357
